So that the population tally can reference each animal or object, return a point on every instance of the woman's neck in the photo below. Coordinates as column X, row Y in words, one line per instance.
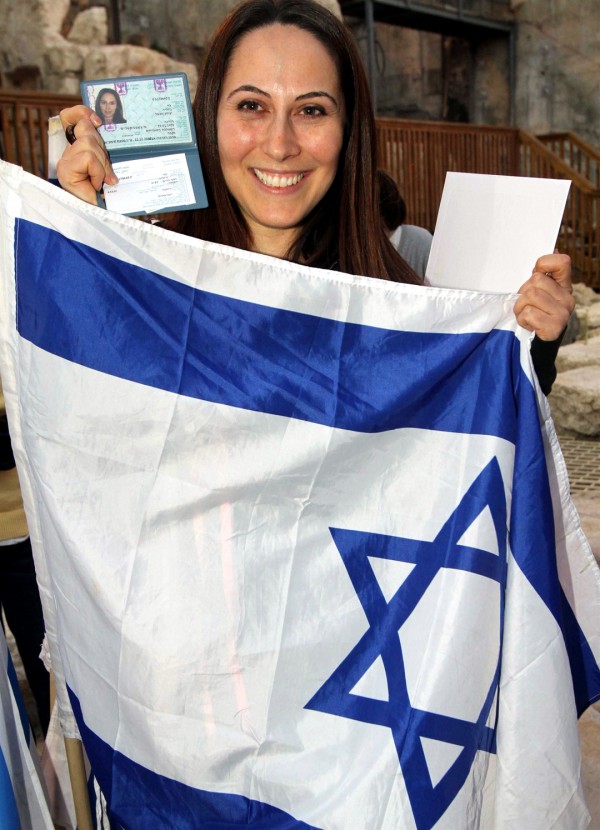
column 273, row 241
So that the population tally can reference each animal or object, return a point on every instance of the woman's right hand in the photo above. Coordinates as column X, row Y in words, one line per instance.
column 84, row 166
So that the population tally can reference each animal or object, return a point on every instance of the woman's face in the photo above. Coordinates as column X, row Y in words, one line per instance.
column 108, row 106
column 280, row 125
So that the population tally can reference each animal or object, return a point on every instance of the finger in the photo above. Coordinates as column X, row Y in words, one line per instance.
column 81, row 186
column 546, row 303
column 71, row 116
column 543, row 282
column 540, row 311
column 83, row 169
column 88, row 143
column 547, row 321
column 84, row 128
column 558, row 266
column 546, row 326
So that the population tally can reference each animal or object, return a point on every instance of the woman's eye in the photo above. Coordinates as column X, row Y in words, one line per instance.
column 249, row 106
column 312, row 110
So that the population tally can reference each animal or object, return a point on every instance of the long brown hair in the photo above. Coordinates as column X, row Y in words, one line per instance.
column 344, row 230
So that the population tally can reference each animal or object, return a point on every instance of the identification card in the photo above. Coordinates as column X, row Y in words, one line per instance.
column 148, row 130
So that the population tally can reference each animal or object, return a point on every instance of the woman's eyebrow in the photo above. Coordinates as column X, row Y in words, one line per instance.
column 316, row 94
column 249, row 88
column 305, row 95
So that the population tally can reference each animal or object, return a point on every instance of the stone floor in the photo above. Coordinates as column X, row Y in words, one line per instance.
column 583, row 462
column 589, row 732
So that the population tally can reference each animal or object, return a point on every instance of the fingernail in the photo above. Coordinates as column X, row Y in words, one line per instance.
column 112, row 179
column 96, row 120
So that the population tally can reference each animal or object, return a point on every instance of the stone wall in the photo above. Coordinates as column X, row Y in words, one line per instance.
column 427, row 76
column 558, row 60
column 575, row 396
column 55, row 44
column 409, row 68
column 423, row 75
column 179, row 27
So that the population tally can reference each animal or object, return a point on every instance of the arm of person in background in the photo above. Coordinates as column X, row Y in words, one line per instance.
column 85, row 165
column 544, row 307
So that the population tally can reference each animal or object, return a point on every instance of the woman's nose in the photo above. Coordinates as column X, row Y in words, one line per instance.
column 280, row 140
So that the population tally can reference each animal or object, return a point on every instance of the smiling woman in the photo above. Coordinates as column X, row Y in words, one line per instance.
column 287, row 137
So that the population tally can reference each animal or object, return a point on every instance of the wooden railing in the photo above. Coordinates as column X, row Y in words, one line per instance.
column 24, row 126
column 416, row 153
column 577, row 153
column 579, row 234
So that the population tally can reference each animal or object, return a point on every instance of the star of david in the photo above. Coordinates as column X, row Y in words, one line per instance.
column 381, row 640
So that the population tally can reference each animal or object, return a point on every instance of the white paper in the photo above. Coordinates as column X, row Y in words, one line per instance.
column 150, row 184
column 491, row 230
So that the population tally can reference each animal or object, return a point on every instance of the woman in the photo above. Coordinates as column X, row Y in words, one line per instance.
column 109, row 107
column 287, row 133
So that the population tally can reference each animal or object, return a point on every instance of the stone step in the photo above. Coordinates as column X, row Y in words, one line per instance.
column 575, row 401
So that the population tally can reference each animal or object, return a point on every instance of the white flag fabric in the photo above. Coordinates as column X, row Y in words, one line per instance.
column 22, row 800
column 307, row 550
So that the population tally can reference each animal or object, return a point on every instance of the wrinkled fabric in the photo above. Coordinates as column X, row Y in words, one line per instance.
column 305, row 539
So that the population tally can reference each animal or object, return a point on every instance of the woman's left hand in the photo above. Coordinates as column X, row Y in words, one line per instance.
column 546, row 300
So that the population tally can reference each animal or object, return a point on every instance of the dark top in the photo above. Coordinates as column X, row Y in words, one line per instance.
column 543, row 355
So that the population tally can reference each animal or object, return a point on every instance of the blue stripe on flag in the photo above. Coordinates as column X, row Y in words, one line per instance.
column 9, row 817
column 534, row 548
column 120, row 319
column 140, row 799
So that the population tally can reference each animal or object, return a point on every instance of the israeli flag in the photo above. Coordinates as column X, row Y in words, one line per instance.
column 305, row 540
column 22, row 800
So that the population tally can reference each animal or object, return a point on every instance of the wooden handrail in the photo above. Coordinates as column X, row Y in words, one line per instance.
column 38, row 98
column 577, row 152
column 444, row 126
column 559, row 168
column 575, row 139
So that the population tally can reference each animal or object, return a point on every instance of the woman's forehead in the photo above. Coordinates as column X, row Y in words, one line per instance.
column 281, row 52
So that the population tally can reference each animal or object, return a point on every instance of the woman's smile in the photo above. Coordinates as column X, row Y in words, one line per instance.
column 278, row 180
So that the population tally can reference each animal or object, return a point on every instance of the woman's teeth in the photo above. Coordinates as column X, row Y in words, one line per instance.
column 277, row 180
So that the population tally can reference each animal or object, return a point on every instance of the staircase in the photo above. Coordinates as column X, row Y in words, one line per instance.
column 416, row 153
